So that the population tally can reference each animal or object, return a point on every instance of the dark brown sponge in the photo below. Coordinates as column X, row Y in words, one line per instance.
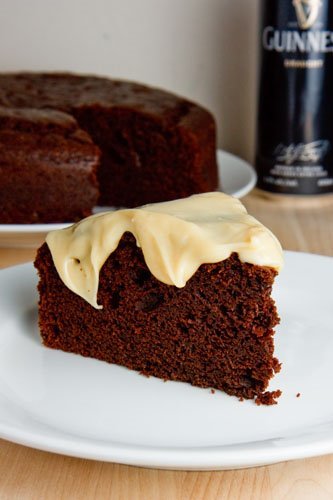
column 216, row 332
column 155, row 146
column 48, row 167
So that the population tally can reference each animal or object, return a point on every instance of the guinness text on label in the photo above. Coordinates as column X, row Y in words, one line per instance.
column 294, row 41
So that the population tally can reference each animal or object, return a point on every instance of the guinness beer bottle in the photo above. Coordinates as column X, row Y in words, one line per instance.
column 295, row 117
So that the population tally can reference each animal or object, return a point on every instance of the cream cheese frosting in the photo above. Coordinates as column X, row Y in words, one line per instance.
column 176, row 238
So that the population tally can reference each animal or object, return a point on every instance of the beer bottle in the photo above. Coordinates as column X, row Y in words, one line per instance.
column 294, row 153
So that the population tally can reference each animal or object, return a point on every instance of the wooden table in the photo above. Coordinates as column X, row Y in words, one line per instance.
column 31, row 474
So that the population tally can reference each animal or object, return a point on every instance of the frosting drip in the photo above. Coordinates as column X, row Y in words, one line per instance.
column 176, row 237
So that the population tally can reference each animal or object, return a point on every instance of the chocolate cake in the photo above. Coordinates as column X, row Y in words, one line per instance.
column 178, row 290
column 47, row 167
column 155, row 146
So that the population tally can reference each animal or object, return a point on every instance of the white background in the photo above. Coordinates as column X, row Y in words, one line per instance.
column 205, row 50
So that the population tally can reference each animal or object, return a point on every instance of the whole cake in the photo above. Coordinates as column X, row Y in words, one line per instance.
column 155, row 146
column 48, row 167
column 180, row 290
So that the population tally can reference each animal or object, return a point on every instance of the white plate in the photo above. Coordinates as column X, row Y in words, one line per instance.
column 87, row 408
column 238, row 178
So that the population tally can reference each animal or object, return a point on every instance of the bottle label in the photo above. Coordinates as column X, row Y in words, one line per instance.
column 295, row 118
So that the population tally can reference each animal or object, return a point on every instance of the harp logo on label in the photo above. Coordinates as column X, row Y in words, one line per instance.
column 307, row 12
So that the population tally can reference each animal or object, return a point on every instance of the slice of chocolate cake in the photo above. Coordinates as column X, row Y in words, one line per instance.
column 155, row 145
column 178, row 290
column 47, row 167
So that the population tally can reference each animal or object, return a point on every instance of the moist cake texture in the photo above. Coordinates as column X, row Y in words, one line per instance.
column 213, row 328
column 48, row 167
column 155, row 146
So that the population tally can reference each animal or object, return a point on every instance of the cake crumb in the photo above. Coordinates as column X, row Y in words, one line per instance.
column 298, row 395
column 212, row 391
column 268, row 398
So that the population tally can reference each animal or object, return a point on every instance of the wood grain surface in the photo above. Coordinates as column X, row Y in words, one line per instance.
column 31, row 474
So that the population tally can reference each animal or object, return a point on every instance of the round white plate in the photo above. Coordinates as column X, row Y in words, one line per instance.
column 238, row 178
column 87, row 408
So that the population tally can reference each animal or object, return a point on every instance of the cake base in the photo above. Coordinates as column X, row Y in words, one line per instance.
column 216, row 332
column 155, row 146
